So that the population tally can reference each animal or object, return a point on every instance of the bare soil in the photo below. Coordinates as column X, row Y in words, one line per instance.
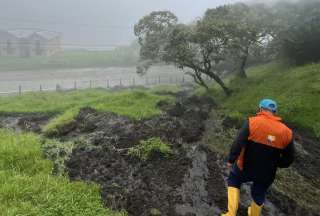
column 192, row 182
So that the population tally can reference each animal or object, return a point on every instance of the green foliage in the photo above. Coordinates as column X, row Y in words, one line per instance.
column 301, row 41
column 200, row 47
column 243, row 28
column 152, row 33
column 27, row 188
column 297, row 91
column 123, row 56
column 147, row 148
column 293, row 29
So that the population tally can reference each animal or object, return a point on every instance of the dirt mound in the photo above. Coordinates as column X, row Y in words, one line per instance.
column 191, row 182
column 177, row 185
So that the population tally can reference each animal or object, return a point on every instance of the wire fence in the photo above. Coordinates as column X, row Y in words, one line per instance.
column 108, row 83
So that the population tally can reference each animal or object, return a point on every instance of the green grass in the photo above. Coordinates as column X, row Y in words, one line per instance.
column 135, row 104
column 166, row 89
column 147, row 148
column 297, row 90
column 64, row 119
column 126, row 56
column 27, row 187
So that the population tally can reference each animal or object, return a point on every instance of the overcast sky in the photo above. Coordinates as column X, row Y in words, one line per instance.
column 94, row 22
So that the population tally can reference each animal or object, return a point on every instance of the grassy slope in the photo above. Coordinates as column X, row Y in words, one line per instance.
column 27, row 188
column 297, row 91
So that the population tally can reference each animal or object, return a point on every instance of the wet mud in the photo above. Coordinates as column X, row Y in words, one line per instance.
column 32, row 122
column 192, row 182
column 159, row 186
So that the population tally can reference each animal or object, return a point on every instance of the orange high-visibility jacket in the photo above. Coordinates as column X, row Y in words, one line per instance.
column 263, row 144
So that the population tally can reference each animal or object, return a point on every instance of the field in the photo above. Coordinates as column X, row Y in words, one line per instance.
column 72, row 59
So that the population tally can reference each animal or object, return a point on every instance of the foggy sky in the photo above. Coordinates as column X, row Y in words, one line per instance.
column 94, row 22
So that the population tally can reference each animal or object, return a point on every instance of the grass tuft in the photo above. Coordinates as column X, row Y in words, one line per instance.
column 147, row 148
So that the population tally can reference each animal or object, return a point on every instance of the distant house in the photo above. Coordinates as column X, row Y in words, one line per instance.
column 8, row 44
column 27, row 43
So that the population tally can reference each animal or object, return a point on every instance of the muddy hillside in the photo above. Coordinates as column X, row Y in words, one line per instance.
column 191, row 181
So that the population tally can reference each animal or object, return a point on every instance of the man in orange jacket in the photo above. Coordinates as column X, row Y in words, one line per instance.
column 264, row 144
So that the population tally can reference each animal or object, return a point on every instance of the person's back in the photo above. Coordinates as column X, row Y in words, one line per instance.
column 264, row 143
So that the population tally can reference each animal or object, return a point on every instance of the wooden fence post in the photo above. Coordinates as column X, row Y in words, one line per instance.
column 40, row 87
column 133, row 81
column 90, row 83
column 75, row 85
column 108, row 84
column 20, row 89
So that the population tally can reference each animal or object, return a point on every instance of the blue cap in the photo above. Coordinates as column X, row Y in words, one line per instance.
column 269, row 105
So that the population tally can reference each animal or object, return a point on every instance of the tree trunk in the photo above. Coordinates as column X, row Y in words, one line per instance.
column 216, row 78
column 244, row 59
column 242, row 71
column 197, row 78
column 201, row 81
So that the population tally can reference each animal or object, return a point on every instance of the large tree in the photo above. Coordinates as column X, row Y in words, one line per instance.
column 245, row 28
column 201, row 46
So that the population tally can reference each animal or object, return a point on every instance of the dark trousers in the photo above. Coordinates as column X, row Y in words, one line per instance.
column 258, row 190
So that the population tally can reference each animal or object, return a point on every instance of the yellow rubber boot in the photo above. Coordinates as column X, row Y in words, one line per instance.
column 254, row 210
column 233, row 201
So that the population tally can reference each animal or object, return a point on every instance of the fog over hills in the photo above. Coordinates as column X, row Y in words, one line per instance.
column 93, row 23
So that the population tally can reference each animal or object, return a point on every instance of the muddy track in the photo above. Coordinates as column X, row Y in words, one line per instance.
column 192, row 182
column 159, row 186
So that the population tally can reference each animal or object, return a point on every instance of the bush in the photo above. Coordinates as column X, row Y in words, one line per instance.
column 301, row 41
column 149, row 147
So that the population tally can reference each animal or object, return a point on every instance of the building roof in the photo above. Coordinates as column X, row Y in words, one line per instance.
column 26, row 33
column 6, row 34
